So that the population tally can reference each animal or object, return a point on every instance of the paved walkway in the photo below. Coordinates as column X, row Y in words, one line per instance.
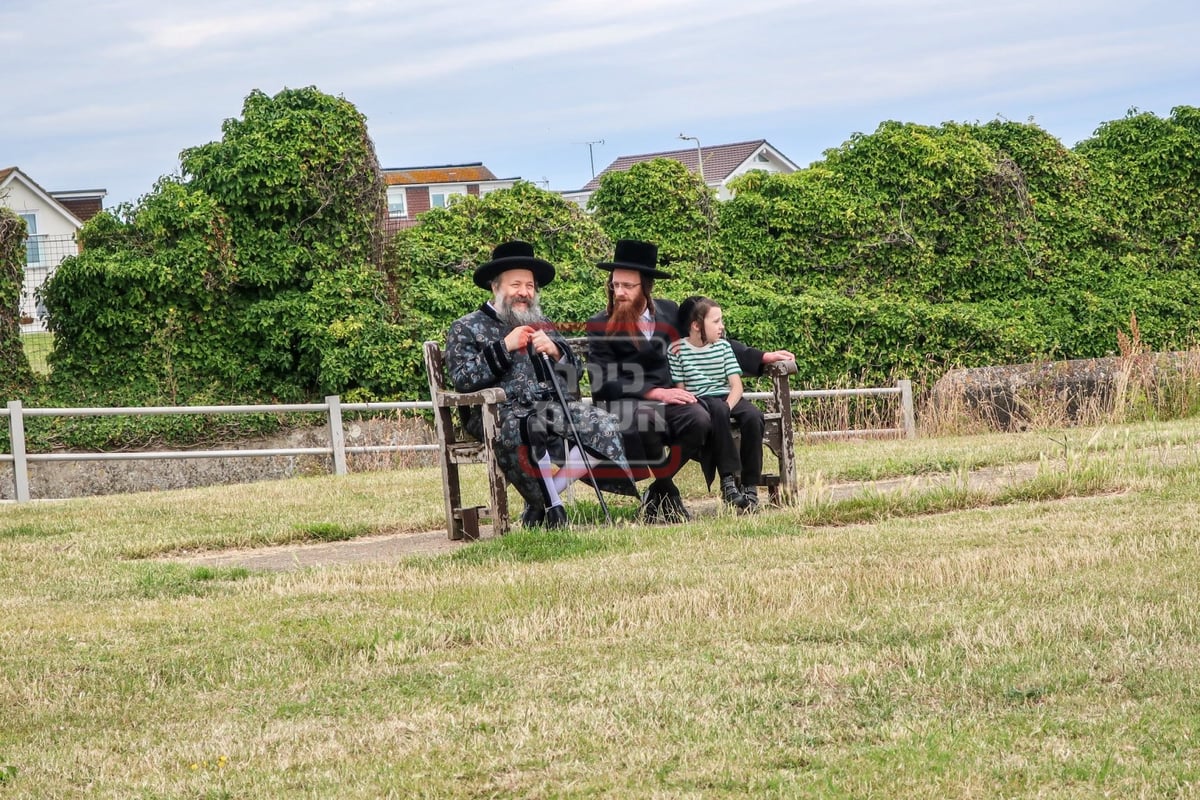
column 390, row 547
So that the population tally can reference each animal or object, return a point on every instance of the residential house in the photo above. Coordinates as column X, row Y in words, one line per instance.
column 411, row 191
column 719, row 164
column 52, row 220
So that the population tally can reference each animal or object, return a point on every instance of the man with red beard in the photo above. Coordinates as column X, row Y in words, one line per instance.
column 509, row 344
column 631, row 378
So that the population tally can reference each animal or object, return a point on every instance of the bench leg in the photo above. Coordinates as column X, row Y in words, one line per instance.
column 498, row 489
column 497, row 483
column 452, row 495
column 788, row 483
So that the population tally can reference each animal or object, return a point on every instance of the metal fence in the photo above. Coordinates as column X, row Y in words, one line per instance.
column 337, row 448
column 43, row 254
column 902, row 391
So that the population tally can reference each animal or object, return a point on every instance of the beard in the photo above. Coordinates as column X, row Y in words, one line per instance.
column 519, row 313
column 624, row 317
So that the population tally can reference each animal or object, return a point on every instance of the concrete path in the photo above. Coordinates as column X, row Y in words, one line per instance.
column 390, row 547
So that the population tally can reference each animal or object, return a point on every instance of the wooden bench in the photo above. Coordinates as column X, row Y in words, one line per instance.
column 456, row 447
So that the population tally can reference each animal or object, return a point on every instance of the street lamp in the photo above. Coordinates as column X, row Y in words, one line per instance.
column 699, row 155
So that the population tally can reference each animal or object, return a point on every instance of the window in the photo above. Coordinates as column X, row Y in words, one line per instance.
column 397, row 203
column 442, row 199
column 33, row 245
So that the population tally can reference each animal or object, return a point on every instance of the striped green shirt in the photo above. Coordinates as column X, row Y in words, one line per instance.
column 703, row 371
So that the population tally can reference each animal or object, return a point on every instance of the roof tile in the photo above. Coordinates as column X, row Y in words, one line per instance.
column 448, row 173
column 719, row 161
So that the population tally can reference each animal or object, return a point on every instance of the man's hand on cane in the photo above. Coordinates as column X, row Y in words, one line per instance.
column 542, row 343
column 524, row 336
column 518, row 338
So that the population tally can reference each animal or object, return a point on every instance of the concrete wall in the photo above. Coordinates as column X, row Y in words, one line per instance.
column 1015, row 396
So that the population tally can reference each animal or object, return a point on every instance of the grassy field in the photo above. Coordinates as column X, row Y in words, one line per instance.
column 1038, row 638
column 37, row 347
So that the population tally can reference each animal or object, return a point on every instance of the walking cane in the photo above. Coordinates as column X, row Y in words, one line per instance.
column 548, row 365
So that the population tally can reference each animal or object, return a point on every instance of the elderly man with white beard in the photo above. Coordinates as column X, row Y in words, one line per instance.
column 504, row 344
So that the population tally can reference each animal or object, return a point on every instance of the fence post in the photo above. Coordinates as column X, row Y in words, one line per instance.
column 337, row 434
column 906, row 408
column 16, row 432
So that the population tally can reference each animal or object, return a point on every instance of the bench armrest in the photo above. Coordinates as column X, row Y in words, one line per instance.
column 482, row 397
column 779, row 373
column 779, row 368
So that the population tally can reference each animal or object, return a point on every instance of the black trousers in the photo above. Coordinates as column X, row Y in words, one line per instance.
column 749, row 419
column 660, row 438
column 720, row 446
column 744, row 461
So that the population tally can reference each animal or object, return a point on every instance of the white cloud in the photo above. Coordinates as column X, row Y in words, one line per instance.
column 96, row 119
column 531, row 81
column 189, row 32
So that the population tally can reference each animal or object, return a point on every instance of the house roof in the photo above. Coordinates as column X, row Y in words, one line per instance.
column 720, row 161
column 446, row 173
column 69, row 194
column 81, row 194
column 10, row 174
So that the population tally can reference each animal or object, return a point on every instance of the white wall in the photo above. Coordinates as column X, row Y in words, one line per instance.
column 23, row 200
column 55, row 232
column 486, row 187
column 772, row 165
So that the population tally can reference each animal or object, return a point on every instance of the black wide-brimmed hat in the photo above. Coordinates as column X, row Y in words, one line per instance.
column 640, row 256
column 513, row 255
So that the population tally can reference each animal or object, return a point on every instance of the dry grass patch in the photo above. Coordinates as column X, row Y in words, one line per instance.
column 1033, row 648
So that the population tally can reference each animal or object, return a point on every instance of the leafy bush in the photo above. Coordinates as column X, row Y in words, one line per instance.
column 260, row 273
column 995, row 225
column 660, row 201
column 1147, row 176
column 257, row 275
column 16, row 377
column 431, row 264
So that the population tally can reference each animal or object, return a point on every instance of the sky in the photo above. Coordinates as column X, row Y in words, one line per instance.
column 105, row 95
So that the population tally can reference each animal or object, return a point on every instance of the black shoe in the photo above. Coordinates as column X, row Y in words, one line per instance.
column 673, row 510
column 532, row 517
column 731, row 495
column 651, row 510
column 751, row 495
column 556, row 517
column 663, row 505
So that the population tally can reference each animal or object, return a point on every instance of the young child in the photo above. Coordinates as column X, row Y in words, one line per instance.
column 703, row 363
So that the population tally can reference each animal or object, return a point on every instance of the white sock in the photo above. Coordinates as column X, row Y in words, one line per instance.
column 545, row 467
column 573, row 468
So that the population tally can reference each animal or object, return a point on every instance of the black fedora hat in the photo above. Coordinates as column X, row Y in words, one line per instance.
column 513, row 255
column 635, row 255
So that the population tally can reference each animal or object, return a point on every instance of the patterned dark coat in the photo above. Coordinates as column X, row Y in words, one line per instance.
column 531, row 418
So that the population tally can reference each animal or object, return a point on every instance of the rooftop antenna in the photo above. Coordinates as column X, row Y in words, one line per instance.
column 590, row 159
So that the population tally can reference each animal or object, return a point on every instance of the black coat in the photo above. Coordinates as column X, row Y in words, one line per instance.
column 627, row 367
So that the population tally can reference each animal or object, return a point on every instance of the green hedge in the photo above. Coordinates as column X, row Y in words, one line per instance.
column 16, row 377
column 260, row 273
